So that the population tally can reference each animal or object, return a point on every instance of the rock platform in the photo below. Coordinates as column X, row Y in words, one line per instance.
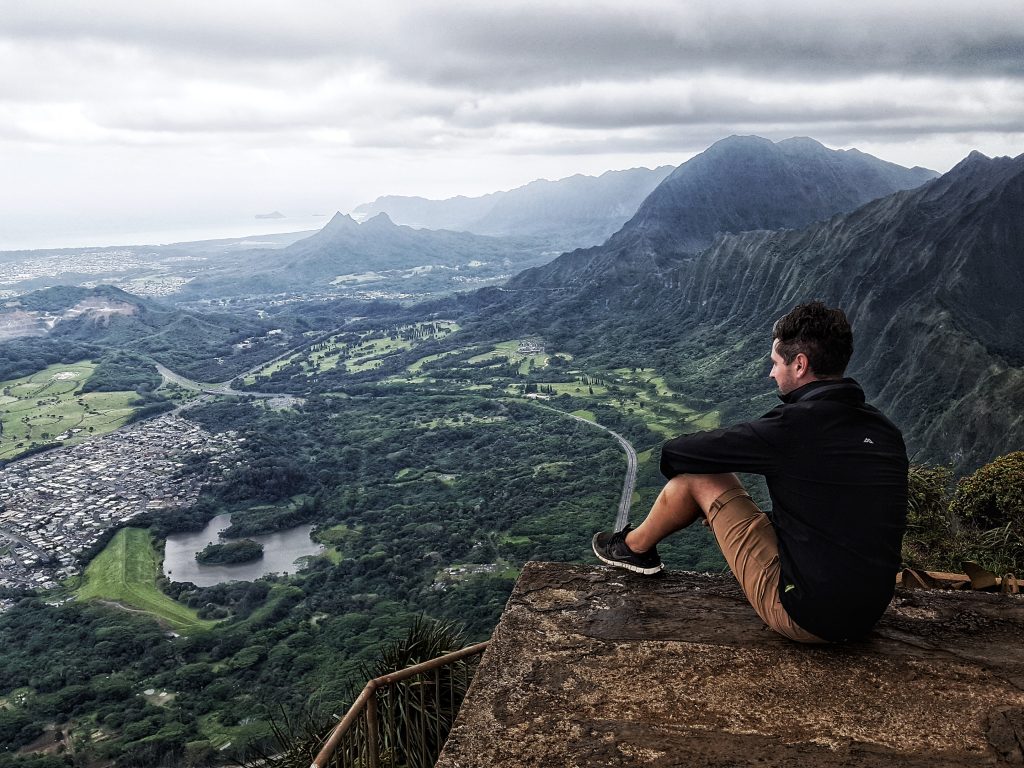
column 593, row 666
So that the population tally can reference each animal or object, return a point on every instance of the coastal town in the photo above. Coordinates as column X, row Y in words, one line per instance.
column 55, row 505
column 141, row 272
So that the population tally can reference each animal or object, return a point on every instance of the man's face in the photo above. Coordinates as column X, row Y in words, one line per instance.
column 785, row 375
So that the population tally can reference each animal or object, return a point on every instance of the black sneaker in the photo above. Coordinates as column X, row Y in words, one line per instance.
column 611, row 548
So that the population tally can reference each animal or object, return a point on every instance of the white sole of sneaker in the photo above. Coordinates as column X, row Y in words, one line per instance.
column 626, row 566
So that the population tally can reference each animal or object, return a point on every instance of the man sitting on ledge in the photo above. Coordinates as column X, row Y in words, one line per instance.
column 821, row 565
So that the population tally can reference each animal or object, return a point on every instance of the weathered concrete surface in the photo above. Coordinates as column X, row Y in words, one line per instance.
column 591, row 666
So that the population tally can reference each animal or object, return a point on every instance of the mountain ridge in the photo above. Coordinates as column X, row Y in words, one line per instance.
column 739, row 183
column 571, row 212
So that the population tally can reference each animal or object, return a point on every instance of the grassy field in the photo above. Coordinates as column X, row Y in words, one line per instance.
column 643, row 393
column 365, row 355
column 273, row 367
column 48, row 406
column 640, row 392
column 221, row 736
column 125, row 572
column 508, row 352
column 417, row 366
column 334, row 539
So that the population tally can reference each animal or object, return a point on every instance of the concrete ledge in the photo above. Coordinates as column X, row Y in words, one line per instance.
column 592, row 666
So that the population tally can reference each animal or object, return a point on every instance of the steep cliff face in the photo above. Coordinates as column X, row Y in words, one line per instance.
column 954, row 243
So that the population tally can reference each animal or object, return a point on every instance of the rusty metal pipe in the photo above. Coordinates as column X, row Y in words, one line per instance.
column 325, row 754
column 371, row 729
column 426, row 666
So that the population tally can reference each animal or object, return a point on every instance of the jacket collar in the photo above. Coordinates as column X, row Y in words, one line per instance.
column 825, row 389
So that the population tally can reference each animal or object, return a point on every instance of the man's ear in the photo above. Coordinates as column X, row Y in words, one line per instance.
column 803, row 365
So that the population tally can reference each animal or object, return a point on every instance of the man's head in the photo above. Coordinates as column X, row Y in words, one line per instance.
column 812, row 342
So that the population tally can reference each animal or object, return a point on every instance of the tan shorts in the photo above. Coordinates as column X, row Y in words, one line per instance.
column 747, row 539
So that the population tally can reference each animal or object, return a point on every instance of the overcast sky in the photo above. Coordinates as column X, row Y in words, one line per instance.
column 118, row 114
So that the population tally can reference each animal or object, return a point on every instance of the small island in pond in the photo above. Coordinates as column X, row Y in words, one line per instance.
column 243, row 551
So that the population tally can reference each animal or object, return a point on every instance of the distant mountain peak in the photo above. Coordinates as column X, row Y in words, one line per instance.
column 973, row 161
column 341, row 219
column 743, row 138
column 340, row 222
column 380, row 220
column 736, row 142
column 984, row 169
column 744, row 183
column 801, row 141
column 739, row 184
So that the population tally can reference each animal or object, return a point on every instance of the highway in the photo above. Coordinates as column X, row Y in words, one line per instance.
column 222, row 388
column 225, row 388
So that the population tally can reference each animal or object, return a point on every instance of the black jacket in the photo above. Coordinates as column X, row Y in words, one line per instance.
column 837, row 475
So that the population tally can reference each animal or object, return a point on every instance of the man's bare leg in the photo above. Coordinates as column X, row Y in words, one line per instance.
column 683, row 500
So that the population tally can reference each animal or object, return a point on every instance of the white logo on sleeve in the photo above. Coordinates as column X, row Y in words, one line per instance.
column 869, row 440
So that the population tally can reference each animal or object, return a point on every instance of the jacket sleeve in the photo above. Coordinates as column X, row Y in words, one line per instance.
column 755, row 446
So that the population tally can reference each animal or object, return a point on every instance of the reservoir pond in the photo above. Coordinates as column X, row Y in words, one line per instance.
column 280, row 551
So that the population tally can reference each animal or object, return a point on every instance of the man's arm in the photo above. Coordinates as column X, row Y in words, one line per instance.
column 755, row 446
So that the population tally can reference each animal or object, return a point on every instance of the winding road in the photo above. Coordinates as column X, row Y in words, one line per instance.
column 629, row 484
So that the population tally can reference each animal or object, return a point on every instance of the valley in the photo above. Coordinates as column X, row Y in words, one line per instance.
column 430, row 494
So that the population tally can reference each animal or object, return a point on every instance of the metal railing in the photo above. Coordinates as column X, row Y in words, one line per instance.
column 410, row 726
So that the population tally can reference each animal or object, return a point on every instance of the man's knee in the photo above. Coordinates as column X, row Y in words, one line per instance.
column 703, row 489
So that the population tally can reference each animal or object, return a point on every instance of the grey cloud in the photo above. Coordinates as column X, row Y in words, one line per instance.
column 219, row 33
column 567, row 44
column 666, row 111
column 612, row 106
column 512, row 45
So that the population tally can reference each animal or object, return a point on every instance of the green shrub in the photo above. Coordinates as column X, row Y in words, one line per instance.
column 990, row 503
column 414, row 715
column 933, row 540
column 983, row 521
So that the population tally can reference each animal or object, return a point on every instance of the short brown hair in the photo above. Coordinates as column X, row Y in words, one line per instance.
column 821, row 333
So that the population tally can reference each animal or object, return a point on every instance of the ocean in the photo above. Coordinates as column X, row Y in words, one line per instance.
column 17, row 236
